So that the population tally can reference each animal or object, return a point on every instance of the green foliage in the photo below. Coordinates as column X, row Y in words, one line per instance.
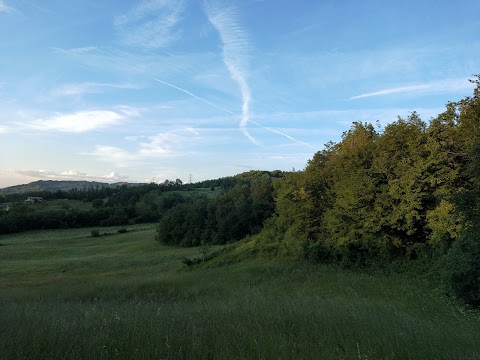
column 188, row 262
column 461, row 272
column 462, row 264
column 99, row 206
column 444, row 223
column 229, row 217
column 95, row 233
column 383, row 195
column 97, row 203
column 118, row 217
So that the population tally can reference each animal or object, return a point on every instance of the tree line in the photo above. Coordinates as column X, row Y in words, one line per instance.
column 105, row 206
column 128, row 204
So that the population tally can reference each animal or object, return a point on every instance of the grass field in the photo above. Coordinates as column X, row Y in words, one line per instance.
column 66, row 295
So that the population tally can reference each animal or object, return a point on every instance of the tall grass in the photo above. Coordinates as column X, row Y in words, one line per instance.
column 125, row 297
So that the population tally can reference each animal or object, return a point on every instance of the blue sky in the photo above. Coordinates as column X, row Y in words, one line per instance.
column 162, row 89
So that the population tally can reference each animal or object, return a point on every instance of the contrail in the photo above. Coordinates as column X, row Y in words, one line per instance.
column 235, row 53
column 195, row 96
column 245, row 132
column 280, row 133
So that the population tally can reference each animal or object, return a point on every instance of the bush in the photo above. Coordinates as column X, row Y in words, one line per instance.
column 190, row 262
column 94, row 233
column 462, row 265
column 122, row 231
column 97, row 203
column 462, row 268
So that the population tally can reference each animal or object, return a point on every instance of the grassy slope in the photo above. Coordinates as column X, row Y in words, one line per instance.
column 64, row 295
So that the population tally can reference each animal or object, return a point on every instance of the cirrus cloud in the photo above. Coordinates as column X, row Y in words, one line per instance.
column 4, row 8
column 236, row 48
column 89, row 88
column 113, row 154
column 150, row 24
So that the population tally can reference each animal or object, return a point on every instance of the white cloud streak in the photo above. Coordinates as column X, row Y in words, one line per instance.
column 89, row 88
column 76, row 51
column 150, row 24
column 114, row 155
column 232, row 113
column 71, row 175
column 166, row 143
column 450, row 85
column 83, row 121
column 235, row 54
column 162, row 145
column 280, row 133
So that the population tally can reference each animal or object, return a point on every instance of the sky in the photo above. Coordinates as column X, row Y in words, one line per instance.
column 148, row 90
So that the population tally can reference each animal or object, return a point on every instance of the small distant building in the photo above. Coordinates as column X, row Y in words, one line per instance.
column 4, row 207
column 33, row 200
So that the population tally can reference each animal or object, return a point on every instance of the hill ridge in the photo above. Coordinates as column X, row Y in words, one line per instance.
column 55, row 185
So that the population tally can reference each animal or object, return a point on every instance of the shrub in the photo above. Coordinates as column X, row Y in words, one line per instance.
column 95, row 233
column 462, row 268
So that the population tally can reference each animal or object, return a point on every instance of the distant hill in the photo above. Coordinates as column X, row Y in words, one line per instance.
column 54, row 185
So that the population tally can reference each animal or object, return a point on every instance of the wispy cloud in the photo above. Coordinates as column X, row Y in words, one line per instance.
column 151, row 23
column 243, row 166
column 83, row 121
column 4, row 8
column 113, row 154
column 161, row 145
column 89, row 88
column 71, row 175
column 166, row 143
column 236, row 47
column 75, row 51
column 113, row 176
column 450, row 85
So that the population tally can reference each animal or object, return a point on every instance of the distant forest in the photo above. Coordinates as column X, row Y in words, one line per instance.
column 101, row 205
column 406, row 193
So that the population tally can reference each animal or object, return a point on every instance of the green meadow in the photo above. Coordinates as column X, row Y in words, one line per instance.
column 67, row 295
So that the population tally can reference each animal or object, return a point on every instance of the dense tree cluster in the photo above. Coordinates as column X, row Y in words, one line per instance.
column 408, row 191
column 385, row 193
column 237, row 212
